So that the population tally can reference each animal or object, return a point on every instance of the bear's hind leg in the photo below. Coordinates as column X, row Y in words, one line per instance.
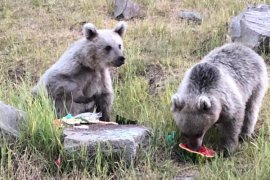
column 231, row 128
column 252, row 111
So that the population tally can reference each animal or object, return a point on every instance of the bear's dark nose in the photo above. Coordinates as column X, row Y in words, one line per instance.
column 121, row 59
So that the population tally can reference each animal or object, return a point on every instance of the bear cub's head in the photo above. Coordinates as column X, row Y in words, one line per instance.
column 194, row 116
column 105, row 45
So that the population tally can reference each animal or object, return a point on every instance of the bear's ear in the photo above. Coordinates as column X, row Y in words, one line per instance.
column 121, row 28
column 89, row 31
column 177, row 103
column 204, row 103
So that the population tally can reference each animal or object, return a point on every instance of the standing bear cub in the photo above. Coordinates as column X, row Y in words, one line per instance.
column 80, row 80
column 226, row 87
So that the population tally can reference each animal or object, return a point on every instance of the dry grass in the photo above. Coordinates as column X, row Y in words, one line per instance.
column 34, row 34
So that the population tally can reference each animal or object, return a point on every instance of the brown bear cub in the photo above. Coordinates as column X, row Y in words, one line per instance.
column 80, row 80
column 226, row 87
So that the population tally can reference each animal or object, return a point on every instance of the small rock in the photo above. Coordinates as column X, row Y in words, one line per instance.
column 126, row 9
column 116, row 139
column 188, row 175
column 157, row 78
column 10, row 119
column 191, row 16
column 252, row 28
column 184, row 178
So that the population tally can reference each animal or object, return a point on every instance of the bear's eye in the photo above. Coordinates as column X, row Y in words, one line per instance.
column 108, row 48
column 120, row 46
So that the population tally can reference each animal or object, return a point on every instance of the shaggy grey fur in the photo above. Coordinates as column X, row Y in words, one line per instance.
column 227, row 87
column 80, row 79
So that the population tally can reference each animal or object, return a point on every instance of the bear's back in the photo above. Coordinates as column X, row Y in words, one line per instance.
column 244, row 65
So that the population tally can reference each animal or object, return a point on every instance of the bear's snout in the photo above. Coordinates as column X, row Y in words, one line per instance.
column 120, row 61
column 195, row 144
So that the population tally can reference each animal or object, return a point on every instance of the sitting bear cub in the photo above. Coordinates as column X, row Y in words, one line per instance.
column 80, row 80
column 226, row 87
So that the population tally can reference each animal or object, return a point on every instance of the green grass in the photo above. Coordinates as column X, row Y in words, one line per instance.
column 34, row 34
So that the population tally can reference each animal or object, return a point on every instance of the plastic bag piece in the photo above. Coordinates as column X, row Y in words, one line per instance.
column 89, row 117
column 170, row 138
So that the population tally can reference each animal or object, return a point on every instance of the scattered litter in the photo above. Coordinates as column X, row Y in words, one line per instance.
column 69, row 116
column 58, row 162
column 81, row 127
column 71, row 121
column 81, row 121
column 89, row 117
column 107, row 123
column 170, row 138
column 58, row 123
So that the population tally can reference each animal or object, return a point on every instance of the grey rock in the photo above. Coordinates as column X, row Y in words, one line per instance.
column 188, row 175
column 191, row 16
column 157, row 79
column 252, row 28
column 11, row 119
column 126, row 9
column 184, row 178
column 115, row 139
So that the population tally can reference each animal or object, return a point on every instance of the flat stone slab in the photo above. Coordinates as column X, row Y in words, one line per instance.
column 252, row 28
column 116, row 139
column 10, row 119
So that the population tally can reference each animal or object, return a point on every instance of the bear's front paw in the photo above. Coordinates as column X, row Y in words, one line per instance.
column 106, row 120
column 225, row 152
column 228, row 149
column 246, row 137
